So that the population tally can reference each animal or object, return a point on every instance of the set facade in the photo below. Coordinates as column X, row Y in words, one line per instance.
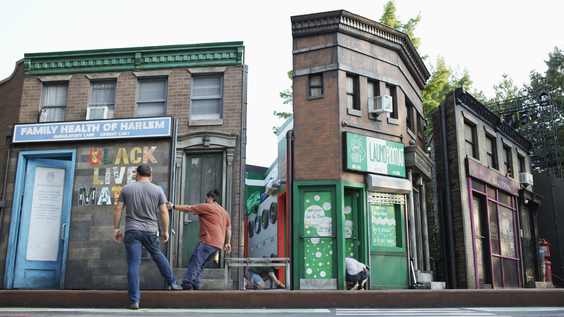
column 80, row 122
column 484, row 196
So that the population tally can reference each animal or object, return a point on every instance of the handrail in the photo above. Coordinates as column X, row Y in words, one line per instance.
column 265, row 262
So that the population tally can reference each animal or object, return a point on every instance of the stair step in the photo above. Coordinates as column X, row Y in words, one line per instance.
column 212, row 279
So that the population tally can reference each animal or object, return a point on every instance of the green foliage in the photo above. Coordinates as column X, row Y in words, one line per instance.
column 288, row 97
column 390, row 19
column 506, row 89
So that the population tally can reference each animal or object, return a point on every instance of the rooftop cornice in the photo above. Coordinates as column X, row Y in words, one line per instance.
column 360, row 27
column 463, row 98
column 134, row 59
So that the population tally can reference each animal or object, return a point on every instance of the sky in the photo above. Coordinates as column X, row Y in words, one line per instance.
column 486, row 37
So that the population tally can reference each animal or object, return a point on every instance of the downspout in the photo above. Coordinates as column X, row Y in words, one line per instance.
column 449, row 230
column 244, row 73
column 289, row 186
column 172, row 189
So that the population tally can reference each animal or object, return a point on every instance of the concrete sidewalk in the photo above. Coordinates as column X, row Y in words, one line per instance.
column 286, row 299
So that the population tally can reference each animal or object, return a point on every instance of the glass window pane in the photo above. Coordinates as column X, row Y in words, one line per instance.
column 492, row 193
column 478, row 186
column 498, row 277
column 468, row 133
column 206, row 87
column 316, row 92
column 103, row 94
column 152, row 90
column 505, row 199
column 350, row 85
column 210, row 173
column 494, row 227
column 315, row 80
column 54, row 95
column 56, row 114
column 206, row 109
column 511, row 273
column 477, row 216
column 196, row 181
column 150, row 109
column 506, row 218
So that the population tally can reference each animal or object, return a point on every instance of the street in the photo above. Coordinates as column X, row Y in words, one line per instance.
column 421, row 312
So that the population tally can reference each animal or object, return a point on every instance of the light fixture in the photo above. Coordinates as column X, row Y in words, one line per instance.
column 206, row 141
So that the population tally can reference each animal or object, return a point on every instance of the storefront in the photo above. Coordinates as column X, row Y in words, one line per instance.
column 66, row 178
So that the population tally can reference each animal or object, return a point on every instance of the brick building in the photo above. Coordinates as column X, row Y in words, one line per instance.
column 356, row 163
column 484, row 194
column 92, row 117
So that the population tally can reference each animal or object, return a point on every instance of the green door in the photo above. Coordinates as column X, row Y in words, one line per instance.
column 203, row 174
column 388, row 253
column 352, row 234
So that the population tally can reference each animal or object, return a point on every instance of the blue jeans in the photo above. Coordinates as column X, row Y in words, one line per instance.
column 134, row 240
column 201, row 255
column 358, row 277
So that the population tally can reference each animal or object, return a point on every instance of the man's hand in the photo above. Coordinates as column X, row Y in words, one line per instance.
column 228, row 248
column 169, row 205
column 164, row 237
column 118, row 236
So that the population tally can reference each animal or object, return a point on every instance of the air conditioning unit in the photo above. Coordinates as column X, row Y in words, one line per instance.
column 380, row 104
column 526, row 179
column 95, row 113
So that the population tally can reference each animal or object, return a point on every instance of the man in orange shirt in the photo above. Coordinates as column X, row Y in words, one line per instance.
column 215, row 230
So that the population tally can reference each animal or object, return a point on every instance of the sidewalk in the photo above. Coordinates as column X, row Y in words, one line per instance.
column 286, row 299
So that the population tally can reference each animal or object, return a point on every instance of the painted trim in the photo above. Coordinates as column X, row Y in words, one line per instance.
column 17, row 204
column 134, row 58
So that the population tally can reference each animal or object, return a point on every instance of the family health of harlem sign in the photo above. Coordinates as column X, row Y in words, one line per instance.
column 107, row 180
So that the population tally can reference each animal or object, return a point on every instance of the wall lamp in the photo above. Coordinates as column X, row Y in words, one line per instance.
column 206, row 141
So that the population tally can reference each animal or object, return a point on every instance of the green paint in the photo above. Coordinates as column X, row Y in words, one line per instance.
column 374, row 155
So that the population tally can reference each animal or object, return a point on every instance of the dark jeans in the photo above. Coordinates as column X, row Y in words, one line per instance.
column 134, row 241
column 201, row 255
column 358, row 277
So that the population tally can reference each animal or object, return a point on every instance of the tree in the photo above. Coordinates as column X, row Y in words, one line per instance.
column 390, row 19
column 506, row 89
column 288, row 97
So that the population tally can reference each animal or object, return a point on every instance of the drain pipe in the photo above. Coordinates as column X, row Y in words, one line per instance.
column 449, row 230
column 242, row 233
column 290, row 199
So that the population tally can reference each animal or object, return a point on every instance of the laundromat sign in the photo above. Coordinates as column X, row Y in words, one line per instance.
column 95, row 129
column 373, row 155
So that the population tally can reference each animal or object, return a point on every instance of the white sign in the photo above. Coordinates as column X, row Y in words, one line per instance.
column 45, row 219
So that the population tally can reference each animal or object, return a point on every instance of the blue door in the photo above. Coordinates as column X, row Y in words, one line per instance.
column 44, row 227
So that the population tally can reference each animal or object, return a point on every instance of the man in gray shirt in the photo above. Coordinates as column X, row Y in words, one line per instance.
column 142, row 199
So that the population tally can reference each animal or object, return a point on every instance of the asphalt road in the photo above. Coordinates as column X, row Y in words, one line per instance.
column 419, row 312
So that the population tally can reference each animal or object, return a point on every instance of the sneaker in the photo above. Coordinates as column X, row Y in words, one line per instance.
column 134, row 305
column 187, row 287
column 175, row 287
column 355, row 286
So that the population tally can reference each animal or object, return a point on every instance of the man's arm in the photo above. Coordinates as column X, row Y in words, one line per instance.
column 166, row 222
column 118, row 236
column 228, row 240
column 184, row 208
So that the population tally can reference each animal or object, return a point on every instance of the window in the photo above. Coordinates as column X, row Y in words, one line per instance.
column 151, row 98
column 316, row 85
column 206, row 98
column 420, row 126
column 507, row 161
column 521, row 162
column 352, row 95
column 54, row 102
column 102, row 100
column 409, row 119
column 491, row 151
column 391, row 91
column 470, row 138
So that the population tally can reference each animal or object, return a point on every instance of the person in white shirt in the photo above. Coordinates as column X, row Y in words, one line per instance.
column 357, row 274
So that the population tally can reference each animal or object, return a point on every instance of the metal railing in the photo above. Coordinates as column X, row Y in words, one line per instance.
column 257, row 262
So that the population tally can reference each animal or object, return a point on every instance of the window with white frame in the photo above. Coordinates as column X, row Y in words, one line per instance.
column 101, row 104
column 54, row 102
column 151, row 97
column 206, row 97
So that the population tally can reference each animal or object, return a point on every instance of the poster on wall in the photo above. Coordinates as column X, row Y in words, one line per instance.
column 507, row 232
column 318, row 224
column 45, row 219
column 383, row 226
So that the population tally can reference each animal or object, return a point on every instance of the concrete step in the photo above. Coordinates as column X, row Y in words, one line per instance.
column 212, row 279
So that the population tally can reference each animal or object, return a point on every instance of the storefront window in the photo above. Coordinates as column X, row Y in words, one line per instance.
column 507, row 232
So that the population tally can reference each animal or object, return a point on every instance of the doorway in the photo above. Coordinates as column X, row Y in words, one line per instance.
column 203, row 174
column 41, row 210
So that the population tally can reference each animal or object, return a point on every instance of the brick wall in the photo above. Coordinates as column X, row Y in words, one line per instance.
column 10, row 99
